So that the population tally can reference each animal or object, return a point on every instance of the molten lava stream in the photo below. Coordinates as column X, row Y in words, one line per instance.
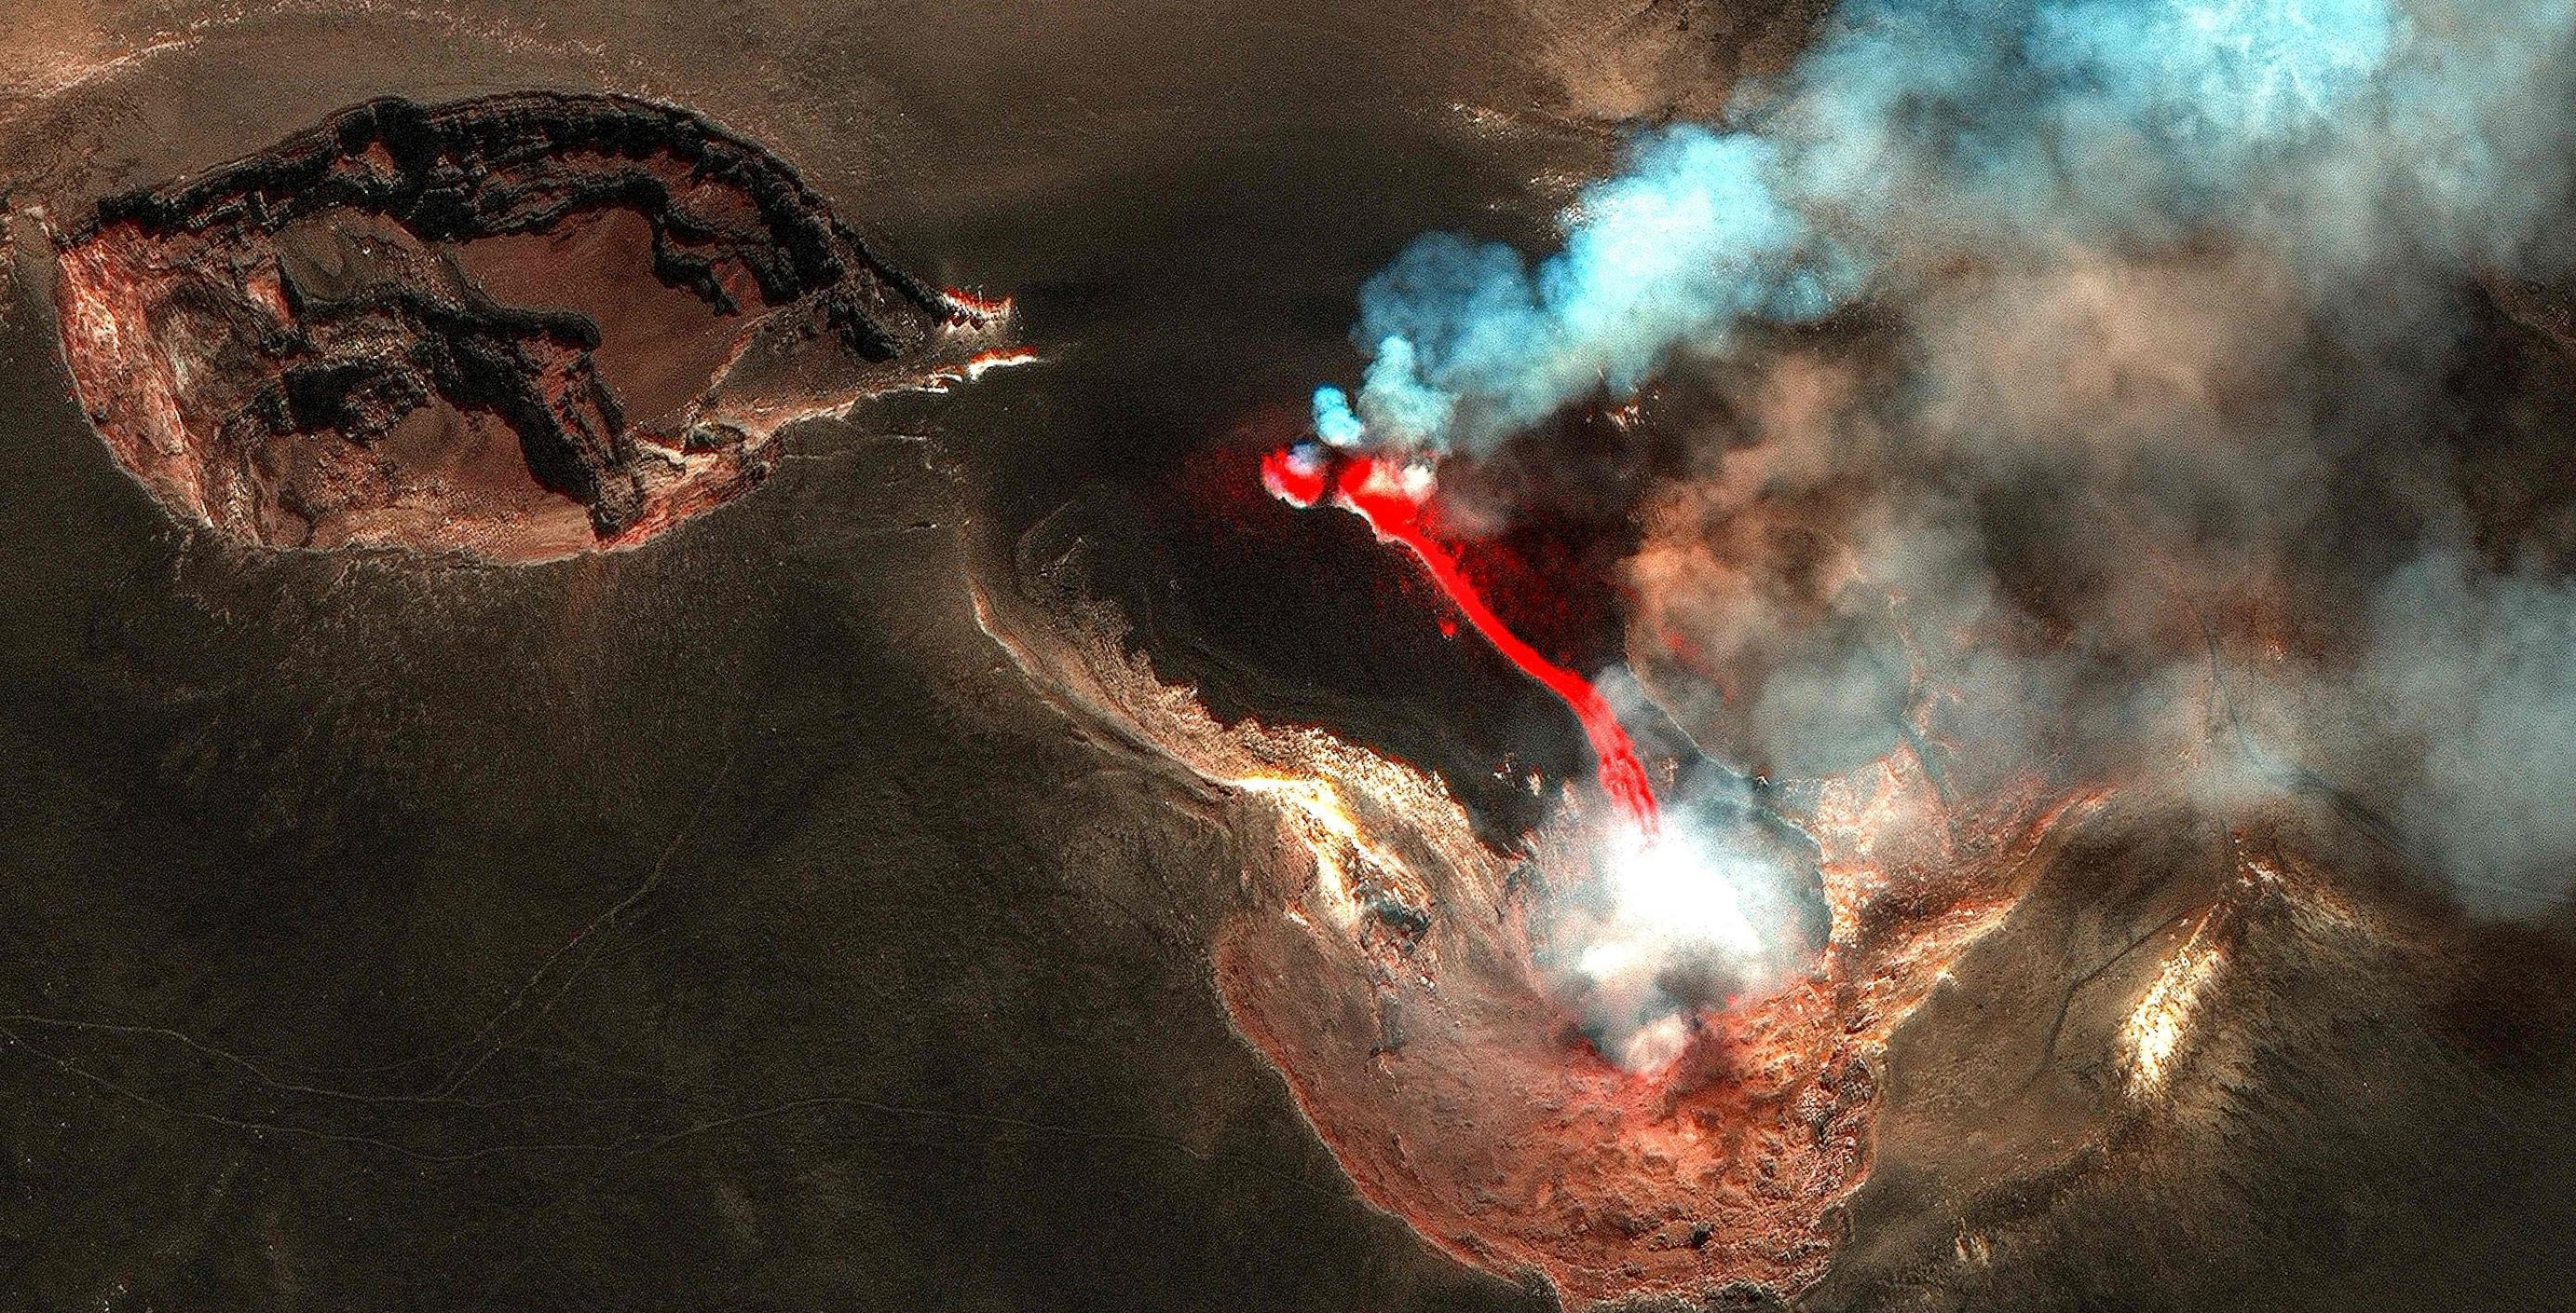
column 1395, row 514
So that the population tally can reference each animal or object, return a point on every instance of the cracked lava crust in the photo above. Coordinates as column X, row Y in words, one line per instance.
column 513, row 328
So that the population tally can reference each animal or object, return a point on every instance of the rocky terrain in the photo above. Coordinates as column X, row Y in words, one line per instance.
column 735, row 923
column 516, row 327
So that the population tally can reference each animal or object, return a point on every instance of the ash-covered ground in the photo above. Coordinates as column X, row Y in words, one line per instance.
column 732, row 921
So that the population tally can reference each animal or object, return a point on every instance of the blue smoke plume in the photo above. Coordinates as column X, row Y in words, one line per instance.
column 1473, row 345
column 2336, row 132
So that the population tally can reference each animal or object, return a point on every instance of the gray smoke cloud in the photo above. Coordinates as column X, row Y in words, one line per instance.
column 2475, row 670
column 2092, row 390
column 2096, row 384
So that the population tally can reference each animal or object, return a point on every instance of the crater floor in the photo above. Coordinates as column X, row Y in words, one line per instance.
column 517, row 327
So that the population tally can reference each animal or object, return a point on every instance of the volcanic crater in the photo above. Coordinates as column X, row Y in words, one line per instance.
column 513, row 329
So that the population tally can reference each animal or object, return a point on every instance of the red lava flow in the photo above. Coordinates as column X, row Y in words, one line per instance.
column 1393, row 510
column 1385, row 963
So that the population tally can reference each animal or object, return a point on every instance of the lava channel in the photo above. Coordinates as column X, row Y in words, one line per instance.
column 1392, row 504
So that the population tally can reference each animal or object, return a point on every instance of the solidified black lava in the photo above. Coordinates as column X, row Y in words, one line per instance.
column 518, row 327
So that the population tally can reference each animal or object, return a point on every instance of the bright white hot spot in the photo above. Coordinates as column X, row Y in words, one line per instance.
column 1672, row 925
column 1669, row 889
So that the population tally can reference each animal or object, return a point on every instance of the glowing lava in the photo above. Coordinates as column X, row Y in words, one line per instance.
column 1386, row 961
column 1391, row 498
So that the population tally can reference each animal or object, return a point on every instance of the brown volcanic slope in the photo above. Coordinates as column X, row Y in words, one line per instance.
column 1389, row 962
column 517, row 327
